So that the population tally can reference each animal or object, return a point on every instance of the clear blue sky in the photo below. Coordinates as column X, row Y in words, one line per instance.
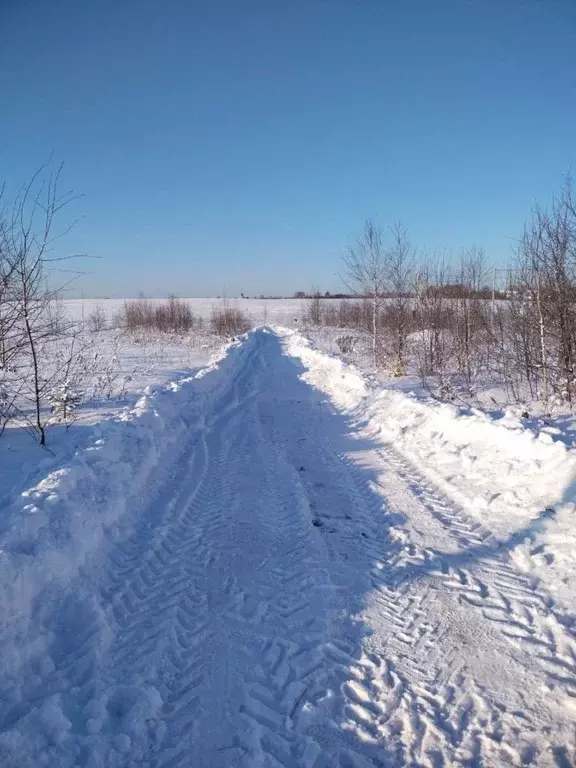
column 226, row 145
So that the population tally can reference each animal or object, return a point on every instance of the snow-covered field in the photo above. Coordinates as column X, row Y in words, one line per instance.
column 261, row 311
column 268, row 557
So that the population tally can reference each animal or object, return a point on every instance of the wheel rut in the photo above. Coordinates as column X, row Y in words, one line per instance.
column 270, row 607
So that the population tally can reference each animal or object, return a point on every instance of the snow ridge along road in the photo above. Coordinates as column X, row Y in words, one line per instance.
column 292, row 592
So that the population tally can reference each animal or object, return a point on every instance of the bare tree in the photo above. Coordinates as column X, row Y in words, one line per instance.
column 522, row 339
column 399, row 268
column 27, row 240
column 435, row 318
column 470, row 323
column 547, row 256
column 365, row 273
column 313, row 314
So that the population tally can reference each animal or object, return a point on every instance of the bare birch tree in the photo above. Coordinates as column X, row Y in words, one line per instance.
column 435, row 318
column 365, row 274
column 399, row 269
column 27, row 301
column 547, row 256
column 470, row 327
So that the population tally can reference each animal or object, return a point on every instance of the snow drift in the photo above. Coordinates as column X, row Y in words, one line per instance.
column 518, row 483
column 51, row 530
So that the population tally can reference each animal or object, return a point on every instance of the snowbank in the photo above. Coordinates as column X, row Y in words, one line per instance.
column 518, row 483
column 52, row 529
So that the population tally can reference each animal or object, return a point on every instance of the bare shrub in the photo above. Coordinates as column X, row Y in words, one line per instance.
column 175, row 316
column 138, row 314
column 351, row 314
column 453, row 344
column 471, row 323
column 172, row 316
column 346, row 344
column 313, row 313
column 229, row 321
column 97, row 319
column 434, row 318
column 110, row 381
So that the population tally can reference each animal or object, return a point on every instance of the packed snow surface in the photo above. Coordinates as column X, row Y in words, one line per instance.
column 273, row 563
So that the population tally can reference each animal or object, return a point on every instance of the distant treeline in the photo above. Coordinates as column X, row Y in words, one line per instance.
column 450, row 291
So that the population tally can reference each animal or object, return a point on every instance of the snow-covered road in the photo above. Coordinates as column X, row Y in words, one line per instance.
column 296, row 594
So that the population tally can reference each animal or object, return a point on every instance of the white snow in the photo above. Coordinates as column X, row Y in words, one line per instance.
column 261, row 311
column 50, row 530
column 277, row 561
column 517, row 482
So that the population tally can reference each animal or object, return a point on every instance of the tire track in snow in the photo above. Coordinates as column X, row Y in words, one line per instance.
column 366, row 694
column 277, row 603
column 69, row 679
column 482, row 578
column 164, row 609
column 270, row 610
column 437, row 710
column 507, row 592
column 288, row 654
column 97, row 683
column 374, row 699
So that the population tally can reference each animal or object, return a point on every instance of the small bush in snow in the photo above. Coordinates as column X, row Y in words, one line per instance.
column 64, row 401
column 228, row 321
column 110, row 382
column 172, row 316
column 97, row 320
column 346, row 344
column 175, row 316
